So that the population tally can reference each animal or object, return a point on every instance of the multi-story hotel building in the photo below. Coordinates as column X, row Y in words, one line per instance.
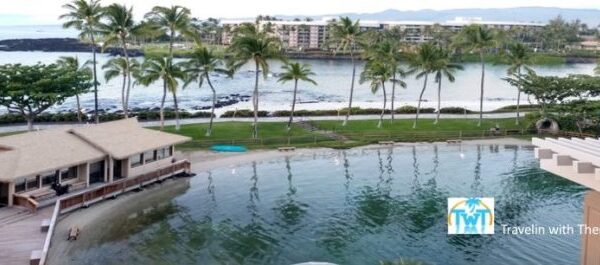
column 313, row 34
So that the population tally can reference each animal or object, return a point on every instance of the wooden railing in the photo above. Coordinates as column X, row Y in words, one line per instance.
column 25, row 201
column 87, row 197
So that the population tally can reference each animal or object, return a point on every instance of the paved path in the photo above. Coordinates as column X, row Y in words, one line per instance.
column 16, row 128
column 20, row 234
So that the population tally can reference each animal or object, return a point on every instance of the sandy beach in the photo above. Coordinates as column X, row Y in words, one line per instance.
column 99, row 217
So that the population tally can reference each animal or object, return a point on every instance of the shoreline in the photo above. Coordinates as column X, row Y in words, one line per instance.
column 95, row 219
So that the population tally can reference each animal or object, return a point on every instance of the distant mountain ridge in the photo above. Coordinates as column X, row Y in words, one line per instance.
column 520, row 14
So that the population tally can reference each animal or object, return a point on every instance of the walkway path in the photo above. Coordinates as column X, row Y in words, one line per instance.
column 20, row 234
column 16, row 128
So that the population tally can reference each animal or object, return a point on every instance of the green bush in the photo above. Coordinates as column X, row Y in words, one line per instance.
column 244, row 113
column 455, row 110
column 413, row 110
column 67, row 117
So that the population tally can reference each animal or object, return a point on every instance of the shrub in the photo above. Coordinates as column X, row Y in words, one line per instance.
column 413, row 110
column 244, row 113
column 455, row 110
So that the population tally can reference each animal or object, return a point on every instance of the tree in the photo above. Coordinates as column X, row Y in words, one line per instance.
column 251, row 45
column 389, row 50
column 172, row 20
column 423, row 63
column 85, row 16
column 346, row 33
column 72, row 64
column 295, row 72
column 518, row 59
column 118, row 30
column 202, row 63
column 30, row 90
column 476, row 38
column 155, row 68
column 377, row 72
column 443, row 67
column 119, row 66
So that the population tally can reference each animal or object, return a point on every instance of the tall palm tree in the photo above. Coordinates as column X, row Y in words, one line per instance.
column 423, row 63
column 258, row 47
column 346, row 33
column 155, row 68
column 519, row 59
column 444, row 67
column 117, row 30
column 119, row 66
column 85, row 16
column 390, row 51
column 295, row 72
column 171, row 20
column 477, row 38
column 377, row 73
column 202, row 63
column 72, row 63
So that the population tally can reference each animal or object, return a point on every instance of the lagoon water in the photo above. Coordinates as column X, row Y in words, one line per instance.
column 333, row 78
column 352, row 207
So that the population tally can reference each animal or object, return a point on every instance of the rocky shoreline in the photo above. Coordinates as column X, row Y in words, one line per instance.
column 58, row 45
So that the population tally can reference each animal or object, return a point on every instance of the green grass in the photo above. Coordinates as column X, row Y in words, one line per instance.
column 357, row 132
column 536, row 59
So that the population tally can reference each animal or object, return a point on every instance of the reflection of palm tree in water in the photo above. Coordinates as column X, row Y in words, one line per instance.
column 211, row 187
column 476, row 187
column 289, row 209
column 347, row 175
column 416, row 171
column 253, row 193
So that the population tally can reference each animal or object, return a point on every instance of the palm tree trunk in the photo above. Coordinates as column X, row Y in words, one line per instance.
column 289, row 125
column 214, row 102
column 78, row 108
column 419, row 103
column 177, row 126
column 351, row 85
column 482, row 84
column 162, row 105
column 255, row 103
column 128, row 73
column 439, row 99
column 123, row 104
column 393, row 97
column 518, row 97
column 384, row 104
column 96, row 118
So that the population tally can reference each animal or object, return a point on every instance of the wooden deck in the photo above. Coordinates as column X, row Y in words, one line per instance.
column 21, row 234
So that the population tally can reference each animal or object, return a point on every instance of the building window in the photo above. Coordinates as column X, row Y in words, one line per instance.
column 33, row 183
column 161, row 153
column 150, row 156
column 68, row 174
column 20, row 186
column 170, row 150
column 136, row 160
column 48, row 179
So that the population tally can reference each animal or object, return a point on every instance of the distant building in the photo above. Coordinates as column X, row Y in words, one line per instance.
column 314, row 34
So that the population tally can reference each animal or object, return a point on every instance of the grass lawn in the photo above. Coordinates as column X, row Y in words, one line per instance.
column 424, row 125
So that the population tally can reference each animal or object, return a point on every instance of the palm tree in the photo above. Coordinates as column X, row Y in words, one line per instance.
column 295, row 72
column 444, row 67
column 85, row 16
column 252, row 45
column 518, row 58
column 377, row 72
column 423, row 63
column 72, row 63
column 346, row 33
column 171, row 20
column 119, row 66
column 155, row 68
column 477, row 38
column 117, row 30
column 202, row 63
column 389, row 50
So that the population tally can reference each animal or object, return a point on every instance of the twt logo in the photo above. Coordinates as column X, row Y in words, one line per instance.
column 470, row 215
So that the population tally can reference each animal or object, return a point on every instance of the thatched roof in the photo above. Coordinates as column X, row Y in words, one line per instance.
column 33, row 153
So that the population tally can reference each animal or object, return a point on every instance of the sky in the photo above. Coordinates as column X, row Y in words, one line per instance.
column 37, row 12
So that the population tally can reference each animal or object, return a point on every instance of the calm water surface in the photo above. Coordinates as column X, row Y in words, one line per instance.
column 352, row 207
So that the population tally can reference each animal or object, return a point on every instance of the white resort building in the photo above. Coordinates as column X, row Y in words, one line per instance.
column 35, row 167
column 313, row 34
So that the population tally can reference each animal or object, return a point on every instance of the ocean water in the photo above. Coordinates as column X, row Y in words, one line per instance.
column 331, row 92
column 351, row 207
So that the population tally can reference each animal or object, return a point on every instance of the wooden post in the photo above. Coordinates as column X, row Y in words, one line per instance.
column 591, row 218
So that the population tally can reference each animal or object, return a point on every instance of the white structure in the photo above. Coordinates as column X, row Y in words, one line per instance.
column 313, row 34
column 577, row 160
